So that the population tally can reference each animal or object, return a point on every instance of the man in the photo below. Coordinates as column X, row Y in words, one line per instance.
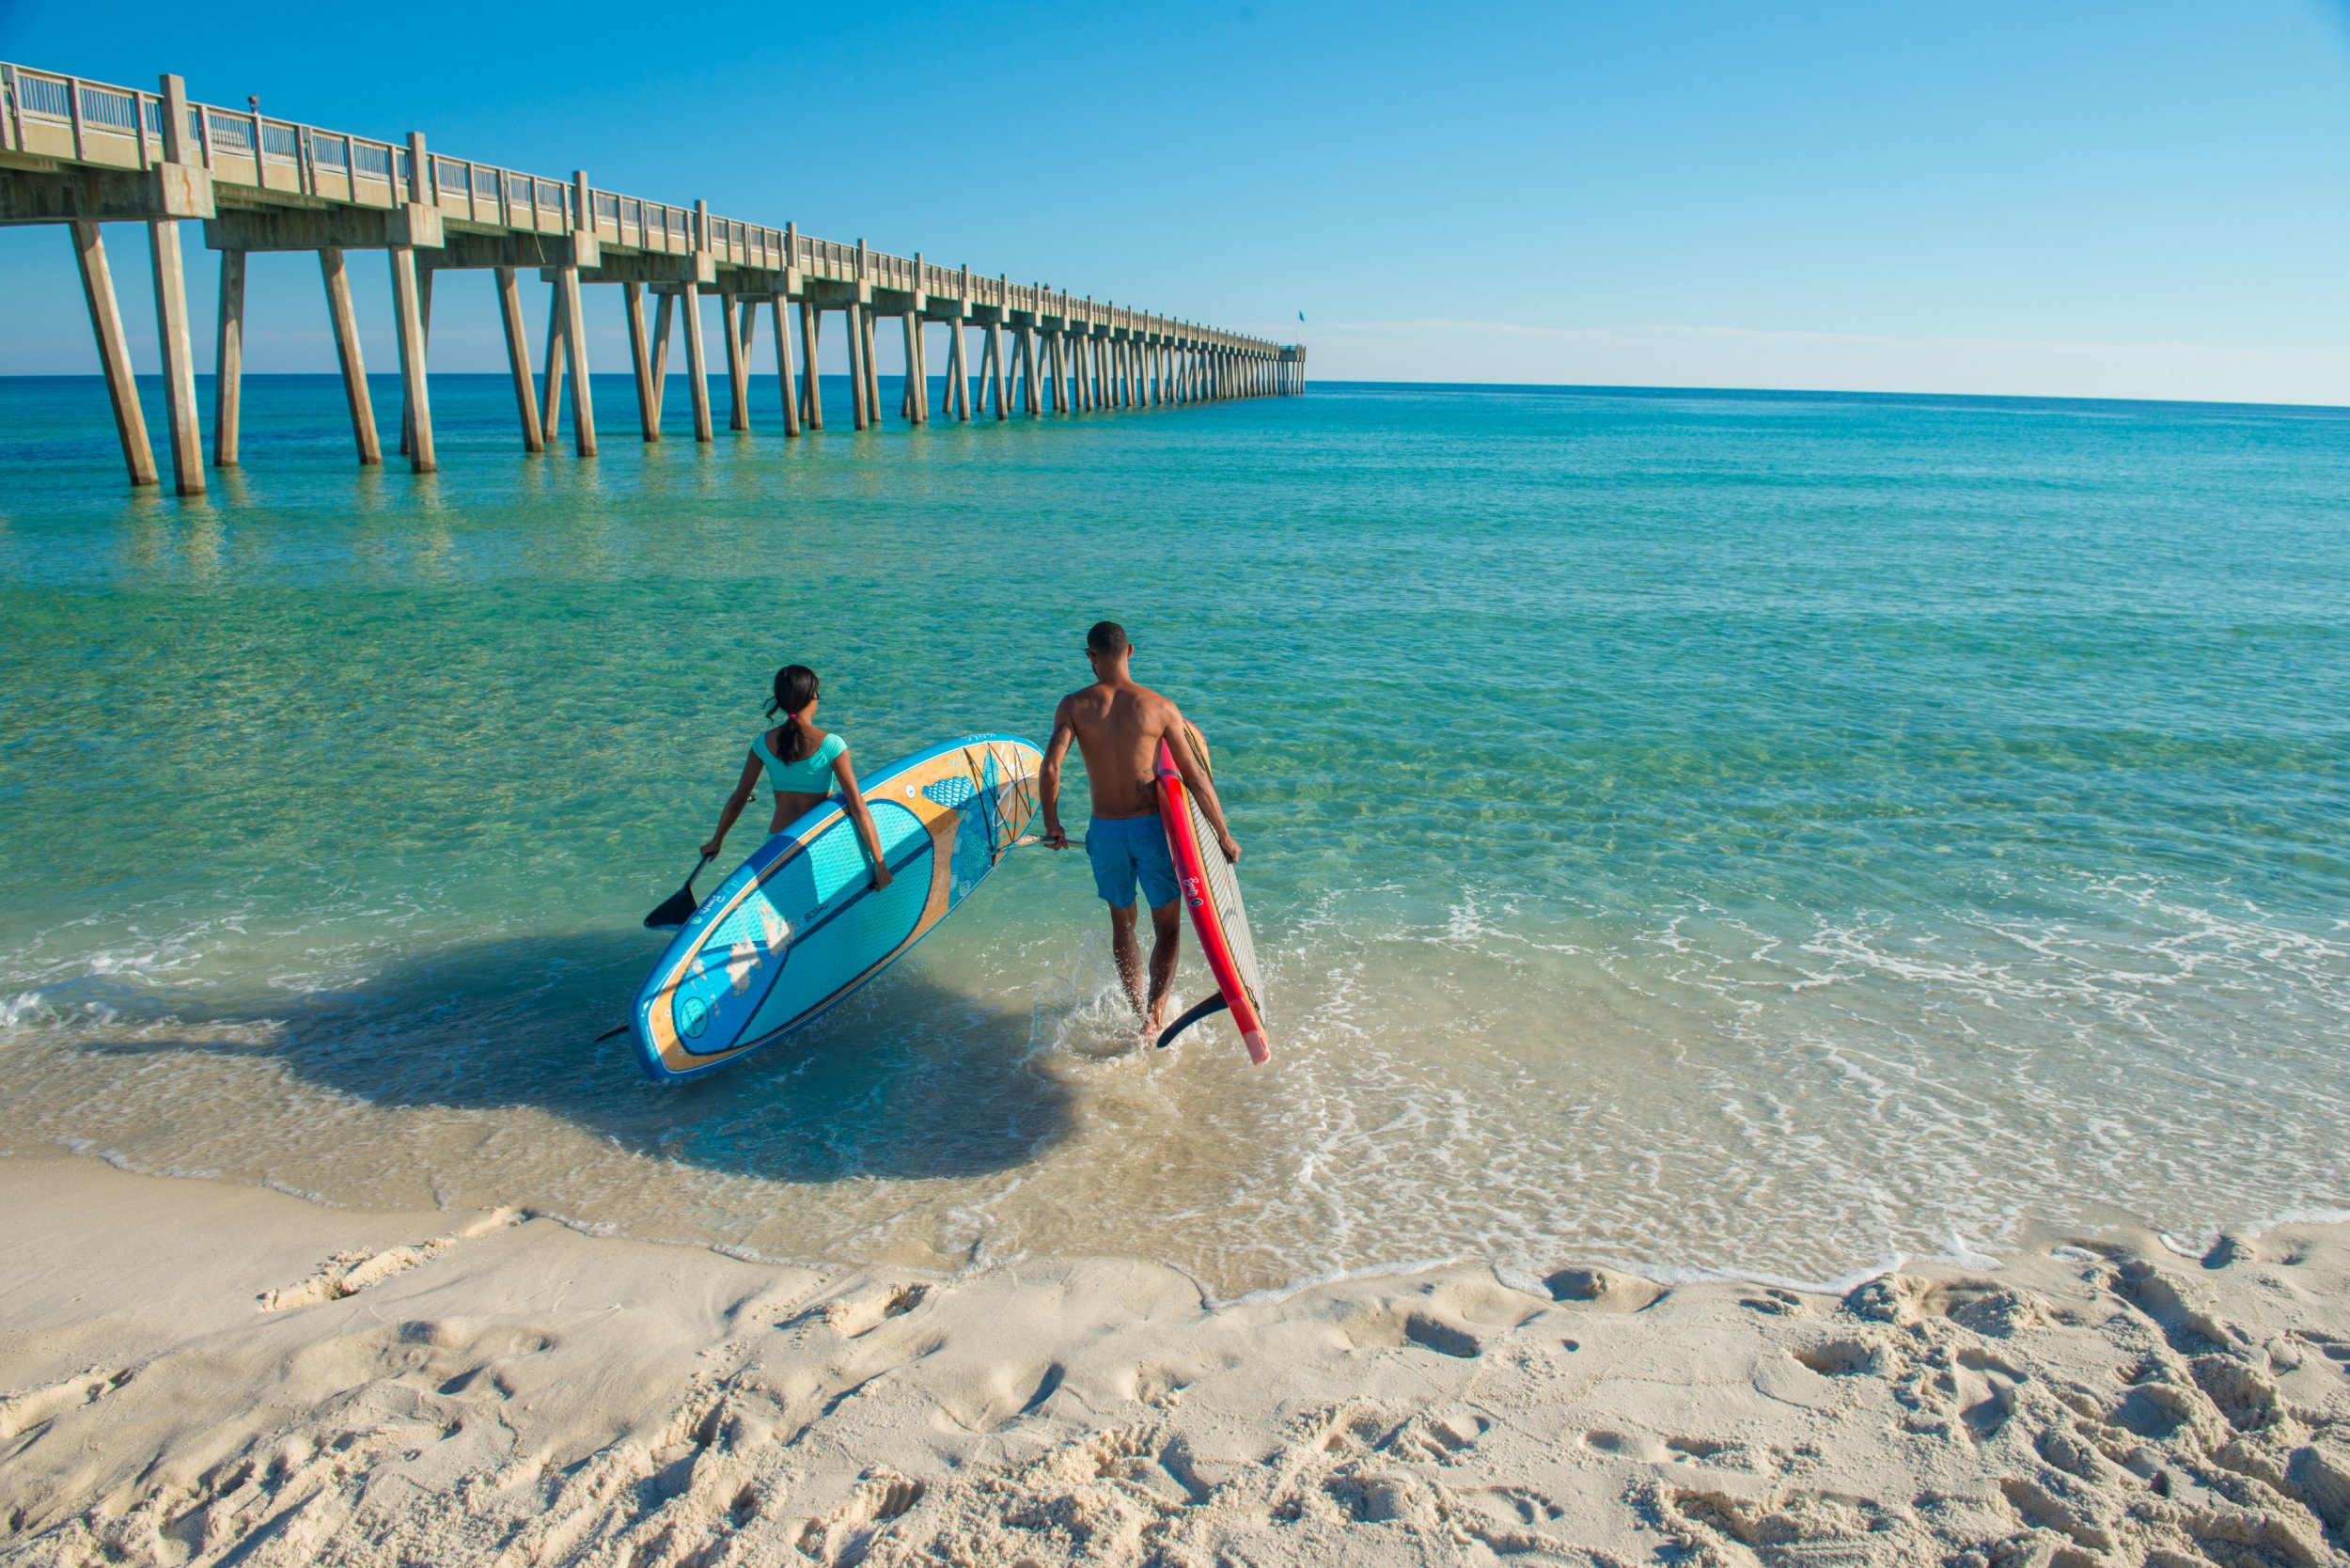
column 1117, row 725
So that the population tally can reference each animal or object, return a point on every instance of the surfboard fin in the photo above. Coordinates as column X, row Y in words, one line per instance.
column 1213, row 1005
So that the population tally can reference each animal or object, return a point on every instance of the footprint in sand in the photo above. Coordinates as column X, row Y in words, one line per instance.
column 1530, row 1507
column 1597, row 1287
column 1989, row 1310
column 2188, row 1323
column 1162, row 1383
column 1773, row 1301
column 1441, row 1337
column 1985, row 1386
column 1435, row 1439
column 37, row 1407
column 346, row 1273
column 847, row 1533
column 1001, row 1395
column 855, row 1315
column 1838, row 1358
column 1389, row 1328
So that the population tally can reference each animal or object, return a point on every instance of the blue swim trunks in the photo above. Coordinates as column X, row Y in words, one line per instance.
column 1126, row 849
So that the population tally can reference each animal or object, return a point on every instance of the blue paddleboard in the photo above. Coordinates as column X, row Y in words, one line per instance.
column 798, row 925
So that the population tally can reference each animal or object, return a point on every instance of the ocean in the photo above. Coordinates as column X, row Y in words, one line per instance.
column 1696, row 832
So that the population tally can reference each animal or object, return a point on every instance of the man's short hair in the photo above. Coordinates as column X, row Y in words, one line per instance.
column 1106, row 637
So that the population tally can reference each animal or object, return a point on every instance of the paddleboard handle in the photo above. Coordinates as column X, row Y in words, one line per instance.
column 1208, row 1009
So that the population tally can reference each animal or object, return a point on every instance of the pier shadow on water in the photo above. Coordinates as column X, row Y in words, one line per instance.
column 906, row 1079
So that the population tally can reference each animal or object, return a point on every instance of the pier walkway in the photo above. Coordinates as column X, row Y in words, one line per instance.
column 82, row 153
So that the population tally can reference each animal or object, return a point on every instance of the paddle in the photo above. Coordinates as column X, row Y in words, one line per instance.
column 679, row 908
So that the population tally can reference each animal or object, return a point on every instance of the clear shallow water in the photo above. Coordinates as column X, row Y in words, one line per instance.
column 1700, row 831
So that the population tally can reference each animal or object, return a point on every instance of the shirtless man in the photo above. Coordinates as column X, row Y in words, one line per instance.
column 1117, row 725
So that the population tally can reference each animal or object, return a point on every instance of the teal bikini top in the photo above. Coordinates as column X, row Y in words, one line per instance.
column 810, row 776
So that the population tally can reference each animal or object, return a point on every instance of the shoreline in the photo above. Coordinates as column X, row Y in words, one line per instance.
column 1986, row 1257
column 197, row 1371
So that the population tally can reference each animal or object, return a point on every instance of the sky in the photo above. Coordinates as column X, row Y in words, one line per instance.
column 2091, row 198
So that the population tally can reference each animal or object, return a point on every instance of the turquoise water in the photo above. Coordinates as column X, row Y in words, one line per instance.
column 1765, row 833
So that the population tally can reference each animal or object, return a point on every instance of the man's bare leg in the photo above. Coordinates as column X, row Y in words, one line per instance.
column 1166, row 938
column 1129, row 958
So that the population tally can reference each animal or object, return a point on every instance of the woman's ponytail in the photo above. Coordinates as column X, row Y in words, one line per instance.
column 795, row 688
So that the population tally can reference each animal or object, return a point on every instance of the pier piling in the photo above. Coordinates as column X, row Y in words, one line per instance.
column 551, row 405
column 869, row 331
column 811, row 391
column 856, row 363
column 347, row 355
column 518, row 359
column 958, row 375
column 114, row 352
column 917, row 400
column 228, row 360
column 171, row 328
column 786, row 385
column 575, row 351
column 424, row 318
column 640, row 360
column 408, row 318
column 696, row 365
column 664, row 311
column 738, row 373
column 995, row 370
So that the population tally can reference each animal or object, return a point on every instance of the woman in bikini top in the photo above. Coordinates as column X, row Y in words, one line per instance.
column 805, row 765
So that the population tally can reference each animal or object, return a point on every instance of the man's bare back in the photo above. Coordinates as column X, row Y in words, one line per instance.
column 1119, row 727
column 1118, row 724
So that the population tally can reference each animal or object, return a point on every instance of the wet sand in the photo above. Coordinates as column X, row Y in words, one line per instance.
column 198, row 1372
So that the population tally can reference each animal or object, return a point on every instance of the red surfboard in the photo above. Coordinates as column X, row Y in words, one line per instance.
column 1210, row 885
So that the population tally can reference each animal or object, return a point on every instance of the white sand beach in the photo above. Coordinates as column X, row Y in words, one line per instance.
column 200, row 1371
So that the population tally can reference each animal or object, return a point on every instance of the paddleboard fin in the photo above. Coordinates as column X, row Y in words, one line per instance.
column 1213, row 1005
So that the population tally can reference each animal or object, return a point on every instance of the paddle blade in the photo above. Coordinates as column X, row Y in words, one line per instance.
column 678, row 907
column 675, row 910
column 1212, row 1005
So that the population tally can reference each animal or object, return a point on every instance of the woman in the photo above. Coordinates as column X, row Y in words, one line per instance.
column 805, row 765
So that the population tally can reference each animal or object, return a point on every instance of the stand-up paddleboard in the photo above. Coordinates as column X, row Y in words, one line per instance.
column 798, row 926
column 1210, row 885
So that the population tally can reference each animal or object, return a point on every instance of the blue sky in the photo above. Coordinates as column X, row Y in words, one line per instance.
column 2093, row 198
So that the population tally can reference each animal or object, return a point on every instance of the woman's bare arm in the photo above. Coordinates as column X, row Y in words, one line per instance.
column 744, row 789
column 866, row 831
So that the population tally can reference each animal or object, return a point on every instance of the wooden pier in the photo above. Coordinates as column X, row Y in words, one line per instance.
column 82, row 153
